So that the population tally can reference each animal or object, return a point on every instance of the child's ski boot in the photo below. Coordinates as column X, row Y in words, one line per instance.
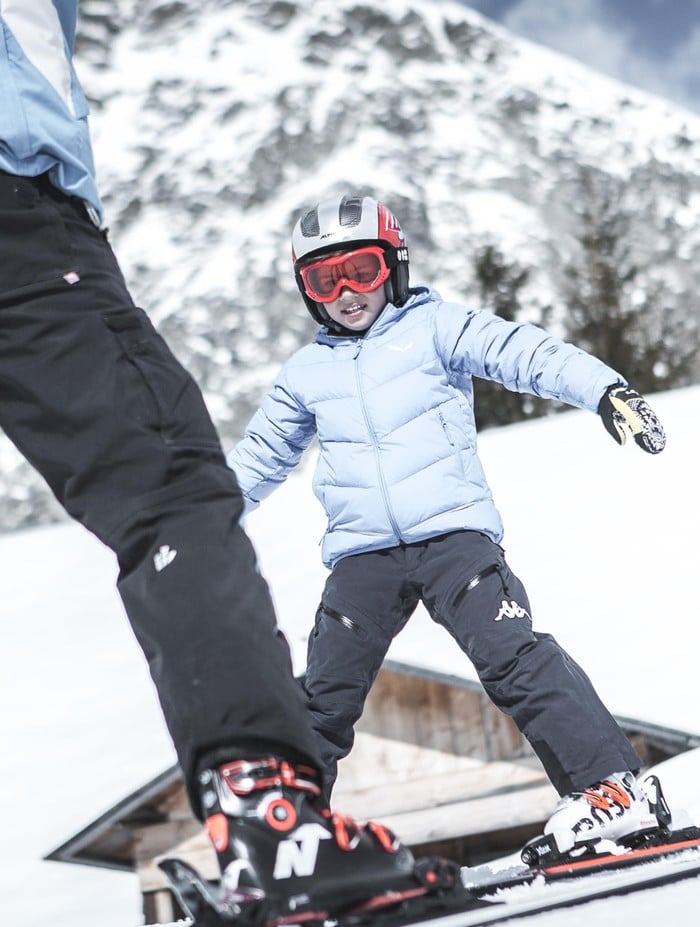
column 617, row 810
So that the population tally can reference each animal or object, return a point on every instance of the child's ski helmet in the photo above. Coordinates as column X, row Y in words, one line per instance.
column 343, row 223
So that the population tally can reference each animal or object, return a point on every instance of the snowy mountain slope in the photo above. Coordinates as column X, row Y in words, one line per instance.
column 604, row 538
column 206, row 153
column 471, row 134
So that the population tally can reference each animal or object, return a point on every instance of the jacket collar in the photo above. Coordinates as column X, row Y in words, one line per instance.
column 387, row 317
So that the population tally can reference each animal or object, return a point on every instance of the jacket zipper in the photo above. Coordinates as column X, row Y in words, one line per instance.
column 375, row 444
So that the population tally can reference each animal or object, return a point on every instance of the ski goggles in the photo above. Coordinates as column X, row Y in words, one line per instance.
column 362, row 270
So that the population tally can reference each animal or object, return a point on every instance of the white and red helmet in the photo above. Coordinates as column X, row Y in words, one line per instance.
column 344, row 223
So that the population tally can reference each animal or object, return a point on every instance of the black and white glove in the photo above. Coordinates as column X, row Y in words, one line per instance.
column 622, row 409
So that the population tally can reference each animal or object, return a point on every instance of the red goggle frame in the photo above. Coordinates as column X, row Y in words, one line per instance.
column 362, row 270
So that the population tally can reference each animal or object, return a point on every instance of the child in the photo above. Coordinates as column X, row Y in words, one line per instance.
column 386, row 386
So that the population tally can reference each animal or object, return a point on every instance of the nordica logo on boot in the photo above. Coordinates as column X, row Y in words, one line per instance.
column 511, row 610
column 297, row 855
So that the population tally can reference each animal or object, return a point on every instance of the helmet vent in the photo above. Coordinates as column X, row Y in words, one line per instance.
column 350, row 212
column 309, row 224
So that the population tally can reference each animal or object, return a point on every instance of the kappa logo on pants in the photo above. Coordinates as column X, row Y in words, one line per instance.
column 297, row 854
column 511, row 610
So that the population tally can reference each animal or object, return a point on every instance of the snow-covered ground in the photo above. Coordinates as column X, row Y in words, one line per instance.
column 605, row 539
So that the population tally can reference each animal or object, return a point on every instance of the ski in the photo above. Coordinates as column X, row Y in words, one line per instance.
column 566, row 894
column 491, row 897
column 645, row 848
column 548, row 888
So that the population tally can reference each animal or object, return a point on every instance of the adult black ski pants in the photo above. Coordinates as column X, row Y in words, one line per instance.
column 467, row 586
column 94, row 399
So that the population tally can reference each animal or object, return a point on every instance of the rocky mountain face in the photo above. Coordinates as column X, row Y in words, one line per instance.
column 215, row 123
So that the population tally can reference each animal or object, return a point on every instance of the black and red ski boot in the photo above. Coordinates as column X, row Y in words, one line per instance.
column 285, row 858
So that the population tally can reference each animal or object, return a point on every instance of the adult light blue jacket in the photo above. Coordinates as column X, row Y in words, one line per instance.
column 394, row 415
column 43, row 110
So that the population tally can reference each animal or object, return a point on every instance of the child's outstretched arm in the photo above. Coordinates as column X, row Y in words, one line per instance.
column 272, row 446
column 527, row 359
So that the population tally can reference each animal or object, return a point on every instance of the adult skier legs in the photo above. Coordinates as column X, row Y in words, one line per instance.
column 95, row 400
column 97, row 403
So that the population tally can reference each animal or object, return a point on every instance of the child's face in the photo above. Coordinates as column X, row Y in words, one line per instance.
column 356, row 311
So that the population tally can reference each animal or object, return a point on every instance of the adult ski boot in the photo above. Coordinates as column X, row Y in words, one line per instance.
column 285, row 858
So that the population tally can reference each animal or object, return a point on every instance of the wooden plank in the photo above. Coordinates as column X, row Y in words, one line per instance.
column 503, row 739
column 156, row 839
column 422, row 711
column 432, row 713
column 378, row 760
column 466, row 715
column 159, row 907
column 475, row 816
column 426, row 790
column 197, row 850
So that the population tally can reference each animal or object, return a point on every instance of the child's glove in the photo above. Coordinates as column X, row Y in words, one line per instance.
column 622, row 408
